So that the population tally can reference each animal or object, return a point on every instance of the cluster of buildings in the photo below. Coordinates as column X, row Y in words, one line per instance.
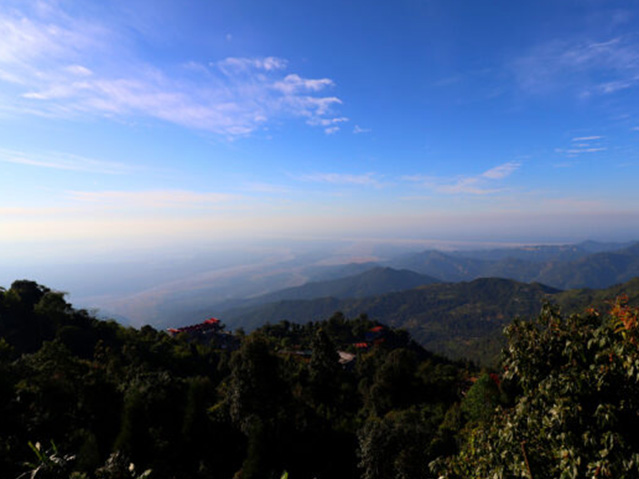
column 211, row 332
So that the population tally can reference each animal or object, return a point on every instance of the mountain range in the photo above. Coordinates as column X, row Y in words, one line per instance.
column 453, row 302
column 563, row 267
column 458, row 320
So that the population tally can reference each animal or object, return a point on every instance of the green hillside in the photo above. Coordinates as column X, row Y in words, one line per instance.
column 459, row 320
column 455, row 319
column 371, row 282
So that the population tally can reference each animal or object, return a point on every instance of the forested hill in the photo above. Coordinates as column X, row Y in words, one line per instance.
column 459, row 320
column 82, row 398
column 456, row 319
column 377, row 280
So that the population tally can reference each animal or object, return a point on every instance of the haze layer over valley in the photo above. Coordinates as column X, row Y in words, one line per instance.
column 238, row 284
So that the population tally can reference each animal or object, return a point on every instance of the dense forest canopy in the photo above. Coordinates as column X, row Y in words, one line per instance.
column 106, row 397
column 84, row 398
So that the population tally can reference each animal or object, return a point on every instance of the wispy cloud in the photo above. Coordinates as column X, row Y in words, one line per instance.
column 451, row 80
column 577, row 151
column 331, row 125
column 266, row 188
column 152, row 198
column 22, row 212
column 341, row 179
column 294, row 84
column 231, row 66
column 587, row 138
column 501, row 171
column 62, row 66
column 482, row 184
column 583, row 144
column 358, row 130
column 61, row 161
column 580, row 66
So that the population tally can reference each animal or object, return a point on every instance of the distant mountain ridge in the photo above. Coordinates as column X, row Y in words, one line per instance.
column 563, row 267
column 374, row 281
column 459, row 320
column 588, row 264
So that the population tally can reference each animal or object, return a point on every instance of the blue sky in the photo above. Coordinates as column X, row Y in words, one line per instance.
column 157, row 123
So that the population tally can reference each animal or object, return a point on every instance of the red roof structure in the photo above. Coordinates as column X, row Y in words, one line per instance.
column 211, row 324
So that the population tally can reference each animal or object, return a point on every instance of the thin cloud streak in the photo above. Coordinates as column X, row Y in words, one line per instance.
column 578, row 66
column 154, row 198
column 583, row 144
column 501, row 171
column 366, row 179
column 587, row 138
column 266, row 188
column 358, row 130
column 473, row 185
column 66, row 162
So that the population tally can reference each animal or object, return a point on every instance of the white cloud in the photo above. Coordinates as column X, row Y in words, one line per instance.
column 22, row 212
column 576, row 151
column 60, row 66
column 587, row 138
column 341, row 179
column 579, row 66
column 60, row 161
column 79, row 70
column 294, row 83
column 613, row 86
column 467, row 186
column 152, row 198
column 582, row 145
column 232, row 65
column 482, row 184
column 326, row 121
column 331, row 125
column 501, row 171
column 266, row 188
column 357, row 130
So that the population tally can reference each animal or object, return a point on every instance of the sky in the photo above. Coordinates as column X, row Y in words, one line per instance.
column 157, row 123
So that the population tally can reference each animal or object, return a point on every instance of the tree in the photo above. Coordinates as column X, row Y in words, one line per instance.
column 324, row 370
column 398, row 445
column 578, row 412
column 257, row 403
column 395, row 383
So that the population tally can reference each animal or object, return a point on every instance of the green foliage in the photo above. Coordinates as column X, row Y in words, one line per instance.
column 50, row 464
column 577, row 414
column 459, row 320
column 399, row 445
column 127, row 402
column 481, row 399
column 324, row 370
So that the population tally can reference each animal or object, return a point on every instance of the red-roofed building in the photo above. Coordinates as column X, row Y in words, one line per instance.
column 375, row 333
column 210, row 331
